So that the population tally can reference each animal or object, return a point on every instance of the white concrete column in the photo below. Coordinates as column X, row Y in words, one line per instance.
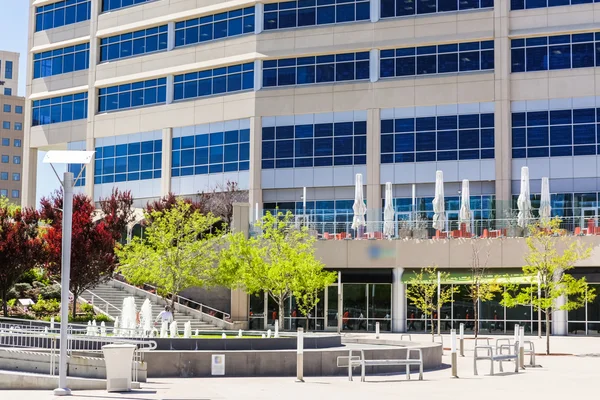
column 170, row 88
column 373, row 170
column 259, row 12
column 374, row 65
column 29, row 173
column 398, row 301
column 375, row 10
column 90, row 145
column 170, row 35
column 257, row 75
column 559, row 317
column 167, row 146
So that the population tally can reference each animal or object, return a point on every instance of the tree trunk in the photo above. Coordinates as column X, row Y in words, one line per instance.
column 475, row 318
column 547, row 332
column 74, row 305
column 5, row 303
column 280, row 314
column 173, row 297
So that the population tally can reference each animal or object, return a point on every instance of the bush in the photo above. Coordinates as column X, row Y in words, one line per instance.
column 11, row 302
column 45, row 307
column 50, row 292
column 33, row 275
column 21, row 289
column 38, row 285
column 86, row 308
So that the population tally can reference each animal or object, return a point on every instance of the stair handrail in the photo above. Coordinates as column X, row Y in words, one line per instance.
column 104, row 302
column 213, row 312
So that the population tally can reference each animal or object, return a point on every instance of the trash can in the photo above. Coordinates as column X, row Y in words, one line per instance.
column 119, row 360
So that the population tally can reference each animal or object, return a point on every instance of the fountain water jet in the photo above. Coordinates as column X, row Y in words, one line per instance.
column 128, row 317
column 163, row 329
column 173, row 329
column 146, row 318
column 102, row 329
column 187, row 330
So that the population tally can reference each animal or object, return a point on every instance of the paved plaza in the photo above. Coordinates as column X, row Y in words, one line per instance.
column 573, row 373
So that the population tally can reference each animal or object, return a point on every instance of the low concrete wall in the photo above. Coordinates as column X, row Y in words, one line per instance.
column 167, row 364
column 282, row 343
column 22, row 381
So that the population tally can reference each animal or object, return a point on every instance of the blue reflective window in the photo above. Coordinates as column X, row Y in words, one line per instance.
column 472, row 56
column 319, row 69
column 211, row 152
column 110, row 5
column 61, row 61
column 450, row 137
column 554, row 52
column 292, row 14
column 212, row 27
column 61, row 13
column 128, row 162
column 315, row 145
column 555, row 133
column 529, row 4
column 134, row 43
column 8, row 70
column 401, row 8
column 233, row 78
column 59, row 109
column 132, row 95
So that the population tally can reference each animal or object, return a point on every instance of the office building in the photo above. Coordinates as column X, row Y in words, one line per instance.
column 181, row 96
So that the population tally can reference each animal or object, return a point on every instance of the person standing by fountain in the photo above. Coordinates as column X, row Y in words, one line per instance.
column 165, row 316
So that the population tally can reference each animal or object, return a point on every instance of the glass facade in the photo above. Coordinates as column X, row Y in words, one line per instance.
column 529, row 4
column 554, row 52
column 570, row 132
column 211, row 149
column 128, row 162
column 132, row 95
column 441, row 138
column 134, row 43
column 292, row 14
column 314, row 145
column 330, row 216
column 8, row 70
column 213, row 27
column 61, row 61
column 319, row 69
column 61, row 13
column 441, row 59
column 214, row 81
column 402, row 8
column 76, row 170
column 109, row 5
column 60, row 109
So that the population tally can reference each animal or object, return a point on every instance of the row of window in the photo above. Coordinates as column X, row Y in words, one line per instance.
column 555, row 52
column 319, row 69
column 16, row 176
column 456, row 57
column 61, row 61
column 321, row 210
column 18, row 126
column 8, row 108
column 442, row 138
column 212, row 27
column 292, row 14
column 314, row 145
column 128, row 162
column 134, row 43
column 556, row 133
column 61, row 13
column 16, row 142
column 214, row 81
column 6, row 159
column 401, row 8
column 130, row 95
column 529, row 4
column 110, row 5
column 214, row 152
column 59, row 109
column 14, row 193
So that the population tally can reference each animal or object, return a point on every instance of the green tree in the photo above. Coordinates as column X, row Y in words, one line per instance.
column 279, row 262
column 422, row 289
column 481, row 288
column 309, row 283
column 177, row 251
column 545, row 267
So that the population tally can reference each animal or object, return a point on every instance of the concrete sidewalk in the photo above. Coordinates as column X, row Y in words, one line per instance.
column 558, row 377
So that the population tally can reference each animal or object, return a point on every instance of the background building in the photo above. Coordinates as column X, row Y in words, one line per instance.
column 11, row 130
column 183, row 96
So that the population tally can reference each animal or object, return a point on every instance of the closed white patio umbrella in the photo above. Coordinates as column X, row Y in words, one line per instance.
column 439, row 212
column 359, row 207
column 545, row 207
column 524, row 201
column 388, row 212
column 464, row 215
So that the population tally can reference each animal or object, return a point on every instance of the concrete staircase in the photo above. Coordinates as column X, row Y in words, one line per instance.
column 112, row 294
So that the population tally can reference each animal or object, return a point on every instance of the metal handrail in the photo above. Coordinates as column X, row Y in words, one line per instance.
column 104, row 302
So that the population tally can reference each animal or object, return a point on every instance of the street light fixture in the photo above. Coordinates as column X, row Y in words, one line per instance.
column 68, row 183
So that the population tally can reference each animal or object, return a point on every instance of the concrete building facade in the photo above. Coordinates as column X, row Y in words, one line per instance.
column 184, row 95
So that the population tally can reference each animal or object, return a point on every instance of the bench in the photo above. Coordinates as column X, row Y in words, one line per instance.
column 528, row 348
column 496, row 357
column 352, row 361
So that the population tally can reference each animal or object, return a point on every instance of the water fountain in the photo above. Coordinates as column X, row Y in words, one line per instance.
column 268, row 334
column 88, row 330
column 116, row 327
column 223, row 336
column 146, row 318
column 128, row 317
column 187, row 330
column 102, row 329
column 94, row 328
column 52, row 323
column 196, row 332
column 45, row 330
column 240, row 333
column 163, row 329
column 276, row 329
column 173, row 329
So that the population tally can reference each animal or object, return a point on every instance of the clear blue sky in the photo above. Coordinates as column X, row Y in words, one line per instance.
column 13, row 37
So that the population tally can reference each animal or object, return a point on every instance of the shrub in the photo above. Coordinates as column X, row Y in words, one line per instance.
column 50, row 292
column 33, row 275
column 45, row 307
column 38, row 284
column 11, row 302
column 21, row 289
column 86, row 308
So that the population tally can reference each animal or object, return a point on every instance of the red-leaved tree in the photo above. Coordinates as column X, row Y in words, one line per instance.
column 21, row 247
column 93, row 257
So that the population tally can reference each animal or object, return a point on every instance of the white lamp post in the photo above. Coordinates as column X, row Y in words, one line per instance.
column 68, row 183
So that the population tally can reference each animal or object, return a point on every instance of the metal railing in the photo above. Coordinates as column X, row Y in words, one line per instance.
column 101, row 304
